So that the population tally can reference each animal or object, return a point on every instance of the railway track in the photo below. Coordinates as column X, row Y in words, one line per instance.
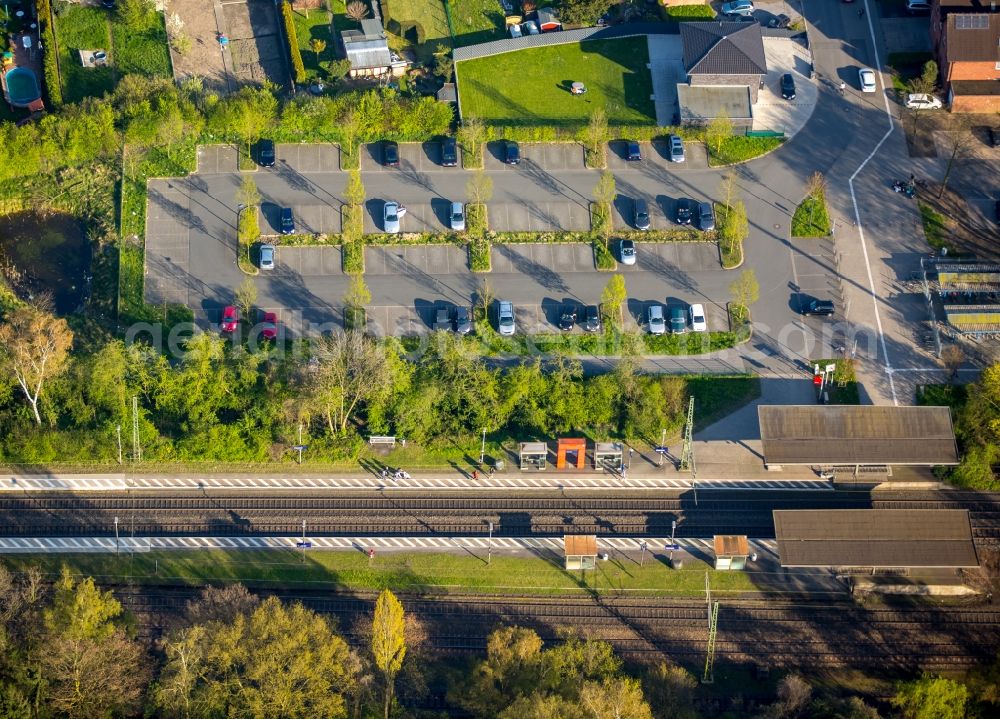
column 268, row 514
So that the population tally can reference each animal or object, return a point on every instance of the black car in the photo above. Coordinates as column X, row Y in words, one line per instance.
column 287, row 221
column 592, row 318
column 685, row 210
column 821, row 308
column 463, row 323
column 779, row 21
column 567, row 318
column 390, row 154
column 442, row 319
column 511, row 153
column 677, row 321
column 788, row 86
column 449, row 152
column 633, row 152
column 265, row 153
column 640, row 215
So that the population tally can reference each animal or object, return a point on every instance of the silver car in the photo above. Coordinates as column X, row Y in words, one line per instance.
column 676, row 149
column 267, row 257
column 505, row 318
column 390, row 217
column 657, row 324
column 866, row 77
column 457, row 217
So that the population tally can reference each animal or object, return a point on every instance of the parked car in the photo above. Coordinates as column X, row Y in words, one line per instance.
column 287, row 221
column 788, row 86
column 633, row 152
column 567, row 318
column 813, row 306
column 390, row 217
column 449, row 152
column 267, row 257
column 463, row 323
column 654, row 318
column 269, row 326
column 626, row 252
column 265, row 153
column 698, row 323
column 706, row 216
column 505, row 318
column 530, row 27
column 738, row 7
column 515, row 30
column 592, row 318
column 678, row 320
column 457, row 217
column 442, row 319
column 676, row 145
column 640, row 214
column 685, row 210
column 390, row 154
column 866, row 78
column 511, row 152
column 230, row 319
column 921, row 101
column 779, row 21
column 917, row 6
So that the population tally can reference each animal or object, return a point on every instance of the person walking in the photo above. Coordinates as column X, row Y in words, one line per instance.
column 843, row 87
column 475, row 475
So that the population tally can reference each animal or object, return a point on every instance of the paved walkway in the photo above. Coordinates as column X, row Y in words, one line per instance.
column 667, row 67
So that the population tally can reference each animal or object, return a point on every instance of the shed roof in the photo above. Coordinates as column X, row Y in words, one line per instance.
column 534, row 447
column 727, row 545
column 818, row 434
column 874, row 538
column 723, row 48
column 580, row 545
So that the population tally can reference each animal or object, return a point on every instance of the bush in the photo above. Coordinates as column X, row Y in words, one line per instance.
column 603, row 259
column 353, row 257
column 811, row 218
column 476, row 219
column 479, row 256
column 50, row 65
column 733, row 230
column 247, row 232
column 600, row 219
column 352, row 219
column 740, row 148
column 293, row 45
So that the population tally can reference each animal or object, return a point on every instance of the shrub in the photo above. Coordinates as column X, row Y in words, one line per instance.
column 353, row 256
column 50, row 64
column 476, row 219
column 811, row 218
column 740, row 148
column 352, row 219
column 600, row 219
column 479, row 256
column 247, row 232
column 603, row 259
column 293, row 45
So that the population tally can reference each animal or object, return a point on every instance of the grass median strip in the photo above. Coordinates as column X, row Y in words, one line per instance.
column 463, row 573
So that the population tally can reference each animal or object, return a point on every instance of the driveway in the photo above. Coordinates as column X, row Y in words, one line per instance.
column 772, row 111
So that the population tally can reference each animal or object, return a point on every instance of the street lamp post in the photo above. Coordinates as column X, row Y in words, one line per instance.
column 119, row 444
column 673, row 530
column 482, row 449
column 116, row 535
column 630, row 450
column 642, row 552
column 303, row 541
column 489, row 550
column 663, row 444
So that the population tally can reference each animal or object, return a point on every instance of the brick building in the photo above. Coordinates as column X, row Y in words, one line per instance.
column 966, row 37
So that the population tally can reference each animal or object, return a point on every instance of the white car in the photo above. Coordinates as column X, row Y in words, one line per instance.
column 738, row 7
column 657, row 323
column 866, row 76
column 505, row 318
column 918, row 101
column 457, row 217
column 698, row 323
column 391, row 213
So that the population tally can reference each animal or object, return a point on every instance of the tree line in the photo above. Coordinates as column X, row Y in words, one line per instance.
column 70, row 649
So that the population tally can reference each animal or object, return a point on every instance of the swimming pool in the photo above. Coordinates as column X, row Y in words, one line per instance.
column 22, row 86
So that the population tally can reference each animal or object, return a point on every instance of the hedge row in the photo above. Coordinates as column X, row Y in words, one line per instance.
column 50, row 64
column 293, row 42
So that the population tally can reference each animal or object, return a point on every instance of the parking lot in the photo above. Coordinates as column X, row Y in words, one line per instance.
column 814, row 268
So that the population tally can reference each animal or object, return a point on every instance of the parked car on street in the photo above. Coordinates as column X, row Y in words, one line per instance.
column 738, row 7
column 698, row 323
column 592, row 318
column 265, row 153
column 626, row 252
column 706, row 216
column 390, row 154
column 640, row 214
column 463, row 323
column 269, row 326
column 511, row 153
column 390, row 217
column 567, row 318
column 530, row 27
column 678, row 319
column 634, row 153
column 505, row 318
column 676, row 145
column 230, row 319
column 922, row 101
column 287, row 221
column 813, row 306
column 866, row 78
column 449, row 152
column 788, row 86
column 442, row 319
column 457, row 217
column 654, row 318
column 685, row 209
column 267, row 252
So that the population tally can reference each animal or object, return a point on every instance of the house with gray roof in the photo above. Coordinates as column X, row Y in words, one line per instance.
column 725, row 66
column 368, row 51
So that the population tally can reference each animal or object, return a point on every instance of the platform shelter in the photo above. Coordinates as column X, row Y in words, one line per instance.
column 609, row 455
column 581, row 551
column 731, row 551
column 533, row 455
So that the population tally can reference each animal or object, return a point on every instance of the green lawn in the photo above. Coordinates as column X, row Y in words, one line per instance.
column 531, row 87
column 428, row 14
column 417, row 572
column 144, row 51
column 476, row 21
column 935, row 227
column 687, row 13
column 740, row 148
column 83, row 28
column 811, row 218
column 314, row 25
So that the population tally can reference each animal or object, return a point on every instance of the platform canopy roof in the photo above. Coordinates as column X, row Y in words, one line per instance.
column 580, row 545
column 875, row 538
column 841, row 434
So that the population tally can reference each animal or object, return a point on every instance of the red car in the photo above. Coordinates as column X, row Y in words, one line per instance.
column 230, row 319
column 269, row 329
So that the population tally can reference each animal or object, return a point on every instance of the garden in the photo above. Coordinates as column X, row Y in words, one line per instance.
column 532, row 87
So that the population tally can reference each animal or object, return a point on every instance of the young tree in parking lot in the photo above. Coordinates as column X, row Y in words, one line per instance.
column 745, row 290
column 358, row 295
column 354, row 193
column 605, row 190
column 388, row 641
column 815, row 195
column 719, row 129
column 245, row 297
column 596, row 137
column 471, row 136
column 34, row 347
column 733, row 232
column 248, row 195
column 479, row 188
column 613, row 300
